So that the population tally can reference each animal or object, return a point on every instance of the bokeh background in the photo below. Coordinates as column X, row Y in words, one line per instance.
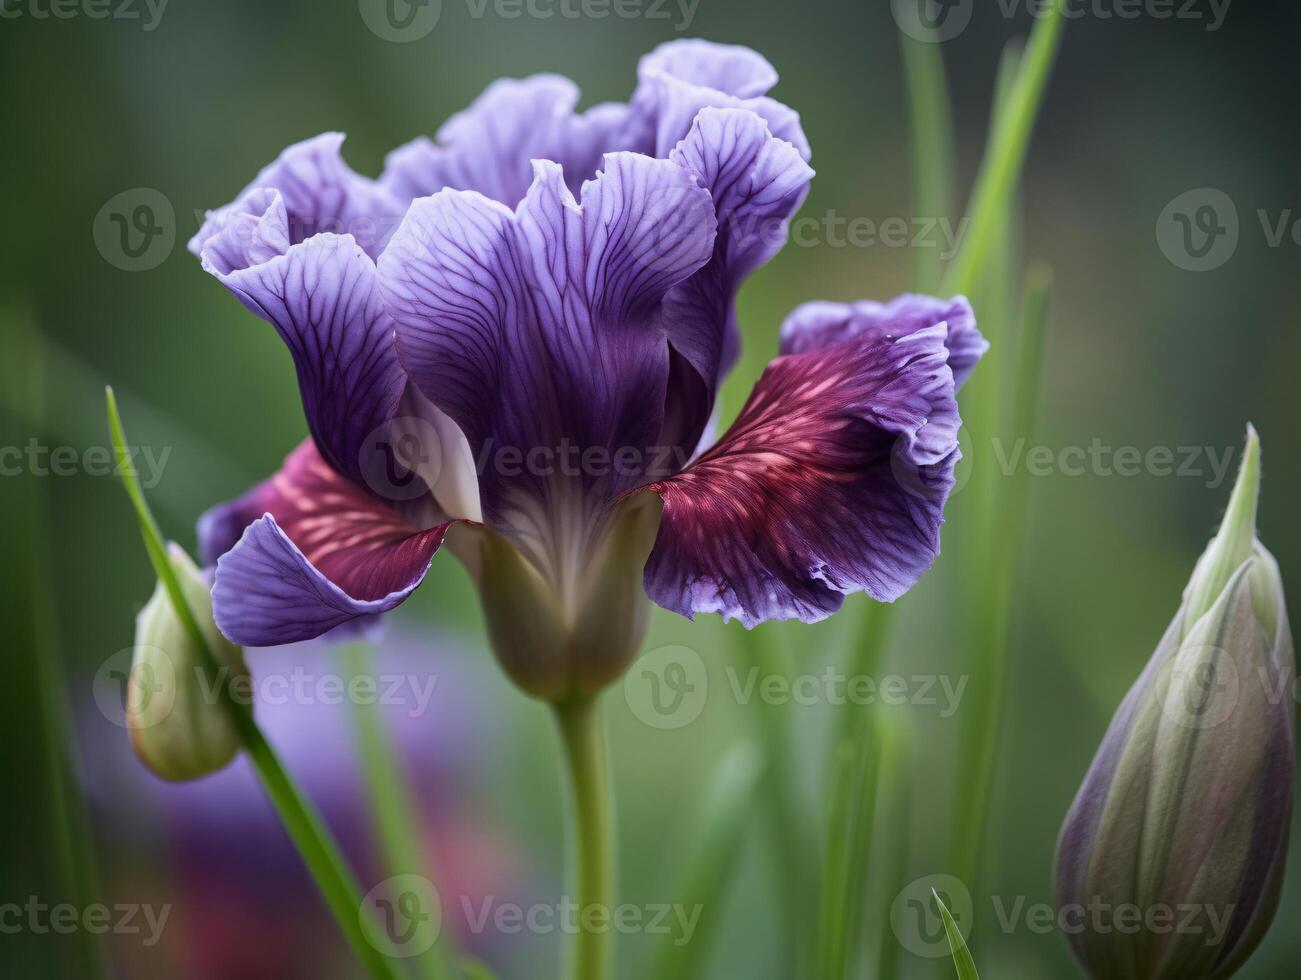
column 1141, row 353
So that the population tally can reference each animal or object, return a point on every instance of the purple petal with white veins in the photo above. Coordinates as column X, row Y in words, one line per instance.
column 832, row 480
column 815, row 325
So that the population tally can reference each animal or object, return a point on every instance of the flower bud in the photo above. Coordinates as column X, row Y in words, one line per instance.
column 1171, row 858
column 559, row 640
column 180, row 726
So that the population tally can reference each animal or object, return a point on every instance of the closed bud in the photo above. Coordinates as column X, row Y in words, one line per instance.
column 180, row 725
column 1171, row 858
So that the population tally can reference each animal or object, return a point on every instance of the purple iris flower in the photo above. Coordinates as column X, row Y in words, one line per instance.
column 541, row 303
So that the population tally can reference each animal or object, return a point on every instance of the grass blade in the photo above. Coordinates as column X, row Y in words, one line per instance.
column 932, row 150
column 1001, row 170
column 962, row 960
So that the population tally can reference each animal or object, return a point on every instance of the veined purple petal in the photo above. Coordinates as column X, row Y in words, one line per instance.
column 815, row 325
column 321, row 297
column 757, row 183
column 490, row 146
column 678, row 79
column 310, row 552
column 321, row 193
column 537, row 331
column 832, row 480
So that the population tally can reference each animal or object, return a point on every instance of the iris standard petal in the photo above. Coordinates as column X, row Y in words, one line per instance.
column 537, row 332
column 832, row 480
column 321, row 194
column 757, row 182
column 490, row 146
column 815, row 325
column 308, row 551
column 678, row 79
column 321, row 297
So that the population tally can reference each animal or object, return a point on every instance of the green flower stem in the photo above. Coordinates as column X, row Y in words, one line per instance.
column 393, row 813
column 591, row 833
column 318, row 850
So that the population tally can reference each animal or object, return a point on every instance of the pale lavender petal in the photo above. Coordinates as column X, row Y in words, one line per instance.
column 678, row 79
column 817, row 324
column 321, row 193
column 832, row 480
column 490, row 146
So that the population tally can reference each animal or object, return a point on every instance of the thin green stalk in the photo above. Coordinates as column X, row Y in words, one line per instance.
column 1005, row 156
column 895, row 830
column 932, row 150
column 715, row 846
column 1007, row 527
column 392, row 811
column 73, row 851
column 318, row 850
column 790, row 838
column 592, row 835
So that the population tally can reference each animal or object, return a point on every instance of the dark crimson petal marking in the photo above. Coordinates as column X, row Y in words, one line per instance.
column 815, row 325
column 325, row 553
column 832, row 480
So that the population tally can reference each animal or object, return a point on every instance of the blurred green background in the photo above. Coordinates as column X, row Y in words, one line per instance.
column 1141, row 353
